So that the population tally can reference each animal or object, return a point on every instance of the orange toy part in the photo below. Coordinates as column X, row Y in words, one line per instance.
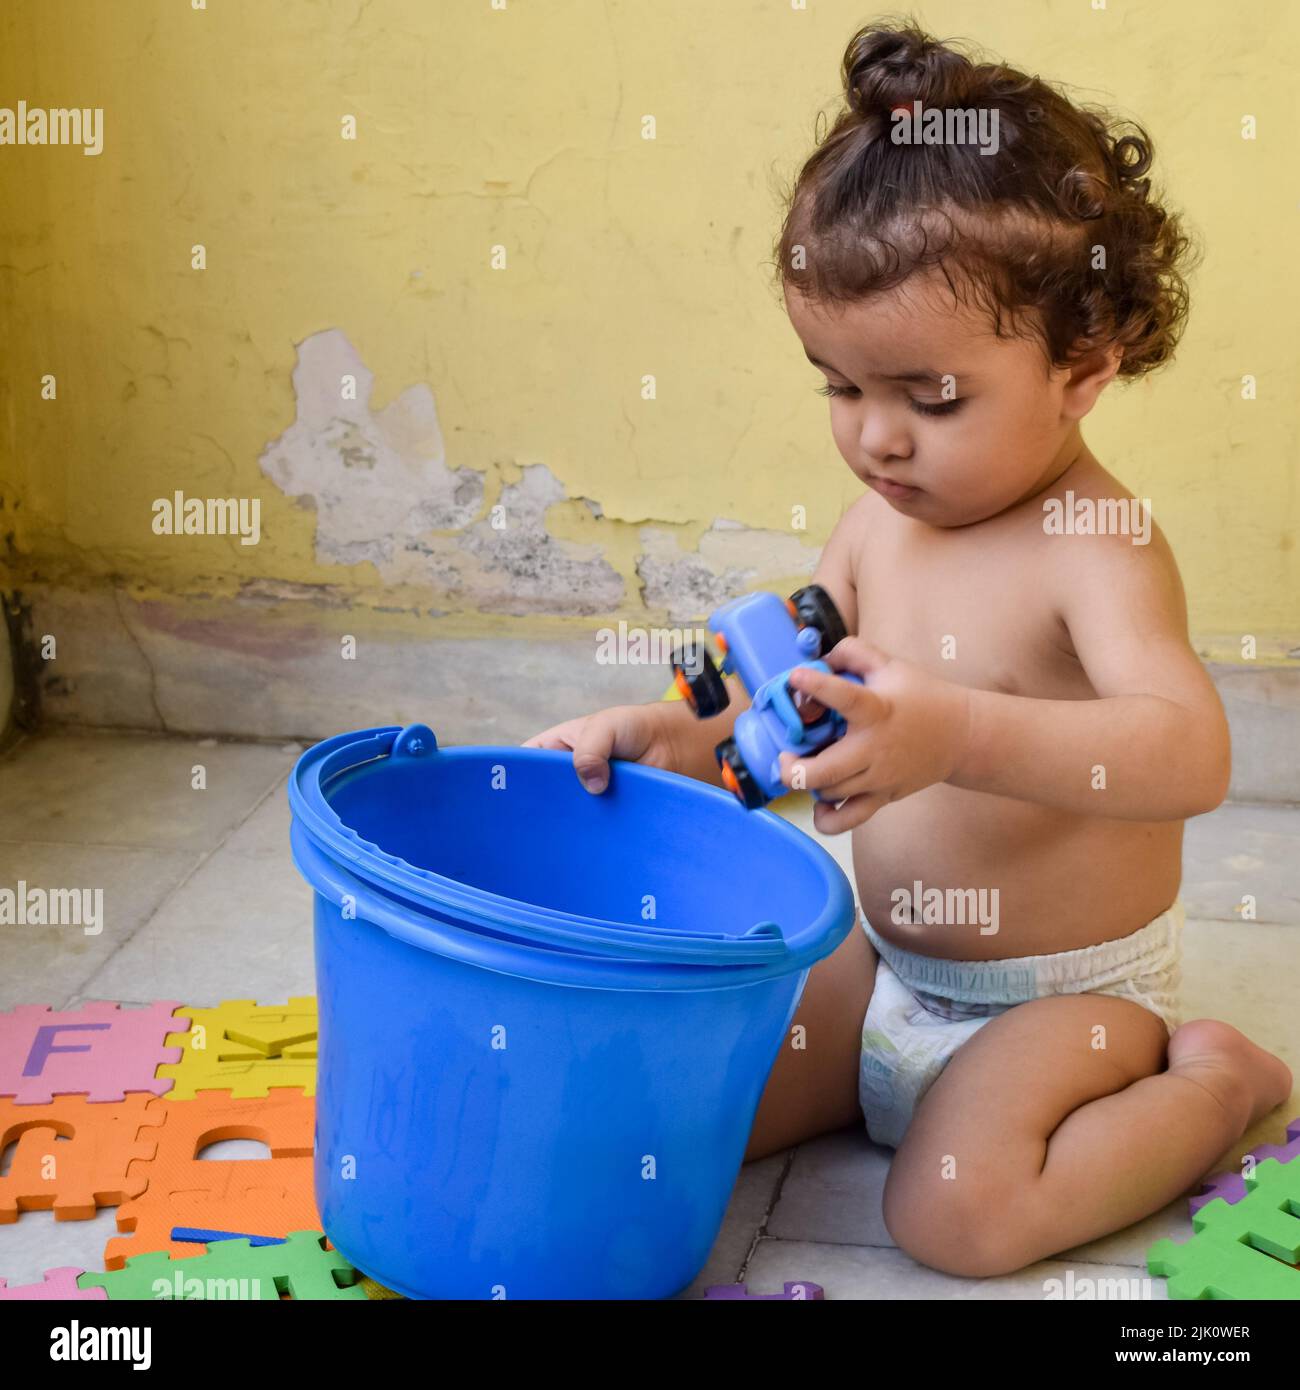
column 729, row 779
column 259, row 1196
column 684, row 688
column 73, row 1155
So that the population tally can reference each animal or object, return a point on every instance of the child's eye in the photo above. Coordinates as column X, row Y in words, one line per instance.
column 920, row 407
column 936, row 407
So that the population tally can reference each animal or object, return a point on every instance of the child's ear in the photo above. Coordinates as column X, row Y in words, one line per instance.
column 1089, row 377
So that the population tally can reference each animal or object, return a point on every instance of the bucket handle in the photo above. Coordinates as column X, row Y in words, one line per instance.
column 415, row 741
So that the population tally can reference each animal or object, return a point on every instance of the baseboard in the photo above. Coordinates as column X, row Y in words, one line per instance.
column 277, row 671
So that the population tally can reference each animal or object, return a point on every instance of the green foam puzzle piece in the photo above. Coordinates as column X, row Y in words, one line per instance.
column 235, row 1270
column 1243, row 1250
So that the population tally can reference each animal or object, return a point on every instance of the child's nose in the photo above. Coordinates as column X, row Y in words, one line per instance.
column 883, row 440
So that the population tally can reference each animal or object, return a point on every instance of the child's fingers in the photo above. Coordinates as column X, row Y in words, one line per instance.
column 853, row 701
column 857, row 810
column 839, row 764
column 550, row 738
column 591, row 753
column 853, row 654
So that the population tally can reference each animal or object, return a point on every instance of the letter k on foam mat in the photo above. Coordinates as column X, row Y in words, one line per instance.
column 245, row 1049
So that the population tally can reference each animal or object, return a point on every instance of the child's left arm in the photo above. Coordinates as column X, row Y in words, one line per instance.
column 1153, row 745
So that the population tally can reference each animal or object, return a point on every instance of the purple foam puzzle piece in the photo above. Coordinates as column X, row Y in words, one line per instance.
column 1231, row 1187
column 100, row 1051
column 57, row 1285
column 1284, row 1153
column 795, row 1291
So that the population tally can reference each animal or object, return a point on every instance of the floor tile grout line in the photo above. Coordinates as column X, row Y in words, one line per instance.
column 761, row 1229
column 171, row 892
column 140, row 926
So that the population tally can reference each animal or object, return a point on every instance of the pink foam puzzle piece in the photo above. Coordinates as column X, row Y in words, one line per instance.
column 57, row 1285
column 1231, row 1186
column 100, row 1050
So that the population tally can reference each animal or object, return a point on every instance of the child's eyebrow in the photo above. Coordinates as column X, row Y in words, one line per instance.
column 929, row 378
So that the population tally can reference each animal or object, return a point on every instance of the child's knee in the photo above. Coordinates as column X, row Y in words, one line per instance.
column 973, row 1223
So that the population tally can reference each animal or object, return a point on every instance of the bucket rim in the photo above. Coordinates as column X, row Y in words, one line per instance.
column 525, row 960
column 344, row 753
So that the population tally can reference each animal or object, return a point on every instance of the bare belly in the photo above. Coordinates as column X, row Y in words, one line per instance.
column 1061, row 881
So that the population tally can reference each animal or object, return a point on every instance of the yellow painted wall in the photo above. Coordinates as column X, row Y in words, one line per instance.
column 522, row 127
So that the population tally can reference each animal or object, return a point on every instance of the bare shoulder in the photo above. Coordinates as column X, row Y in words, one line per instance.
column 1100, row 536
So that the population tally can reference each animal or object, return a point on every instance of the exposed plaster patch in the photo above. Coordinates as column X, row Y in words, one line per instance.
column 518, row 567
column 378, row 480
column 729, row 560
column 383, row 492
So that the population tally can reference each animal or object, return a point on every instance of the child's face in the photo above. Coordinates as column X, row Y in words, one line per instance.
column 946, row 457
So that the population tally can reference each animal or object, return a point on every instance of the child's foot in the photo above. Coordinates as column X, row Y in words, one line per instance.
column 1247, row 1081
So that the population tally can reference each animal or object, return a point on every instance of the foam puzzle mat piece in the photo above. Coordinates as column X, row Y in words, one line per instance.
column 270, row 1196
column 101, row 1051
column 1232, row 1186
column 1241, row 1250
column 301, row 1268
column 73, row 1155
column 245, row 1049
column 197, row 1235
column 57, row 1285
column 375, row 1290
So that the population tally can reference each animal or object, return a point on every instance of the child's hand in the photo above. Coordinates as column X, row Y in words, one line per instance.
column 638, row 733
column 906, row 730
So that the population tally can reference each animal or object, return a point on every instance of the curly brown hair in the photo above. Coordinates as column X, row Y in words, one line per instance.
column 1055, row 235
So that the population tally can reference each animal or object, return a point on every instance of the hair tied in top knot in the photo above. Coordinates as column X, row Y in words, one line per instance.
column 885, row 69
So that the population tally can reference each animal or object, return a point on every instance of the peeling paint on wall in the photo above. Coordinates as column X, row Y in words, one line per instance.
column 378, row 480
column 523, row 568
column 731, row 559
column 384, row 493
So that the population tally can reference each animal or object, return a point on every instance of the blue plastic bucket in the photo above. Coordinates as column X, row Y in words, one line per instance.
column 546, row 1019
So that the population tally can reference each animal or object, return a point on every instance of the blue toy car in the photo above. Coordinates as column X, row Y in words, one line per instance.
column 762, row 638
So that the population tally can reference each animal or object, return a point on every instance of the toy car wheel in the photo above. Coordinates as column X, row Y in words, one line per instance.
column 813, row 607
column 736, row 777
column 701, row 684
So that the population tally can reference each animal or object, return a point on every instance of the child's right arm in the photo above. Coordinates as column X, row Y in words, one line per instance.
column 668, row 733
column 665, row 734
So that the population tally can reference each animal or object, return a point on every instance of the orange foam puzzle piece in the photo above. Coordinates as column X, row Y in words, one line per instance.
column 255, row 1196
column 74, row 1155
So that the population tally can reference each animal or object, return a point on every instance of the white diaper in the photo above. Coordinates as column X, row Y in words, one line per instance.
column 923, row 1008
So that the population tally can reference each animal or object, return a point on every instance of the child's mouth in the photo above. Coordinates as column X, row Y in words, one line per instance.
column 899, row 492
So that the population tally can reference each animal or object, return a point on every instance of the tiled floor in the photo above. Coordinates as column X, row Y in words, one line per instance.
column 202, row 903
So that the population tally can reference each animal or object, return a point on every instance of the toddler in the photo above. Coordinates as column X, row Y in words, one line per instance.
column 1034, row 727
